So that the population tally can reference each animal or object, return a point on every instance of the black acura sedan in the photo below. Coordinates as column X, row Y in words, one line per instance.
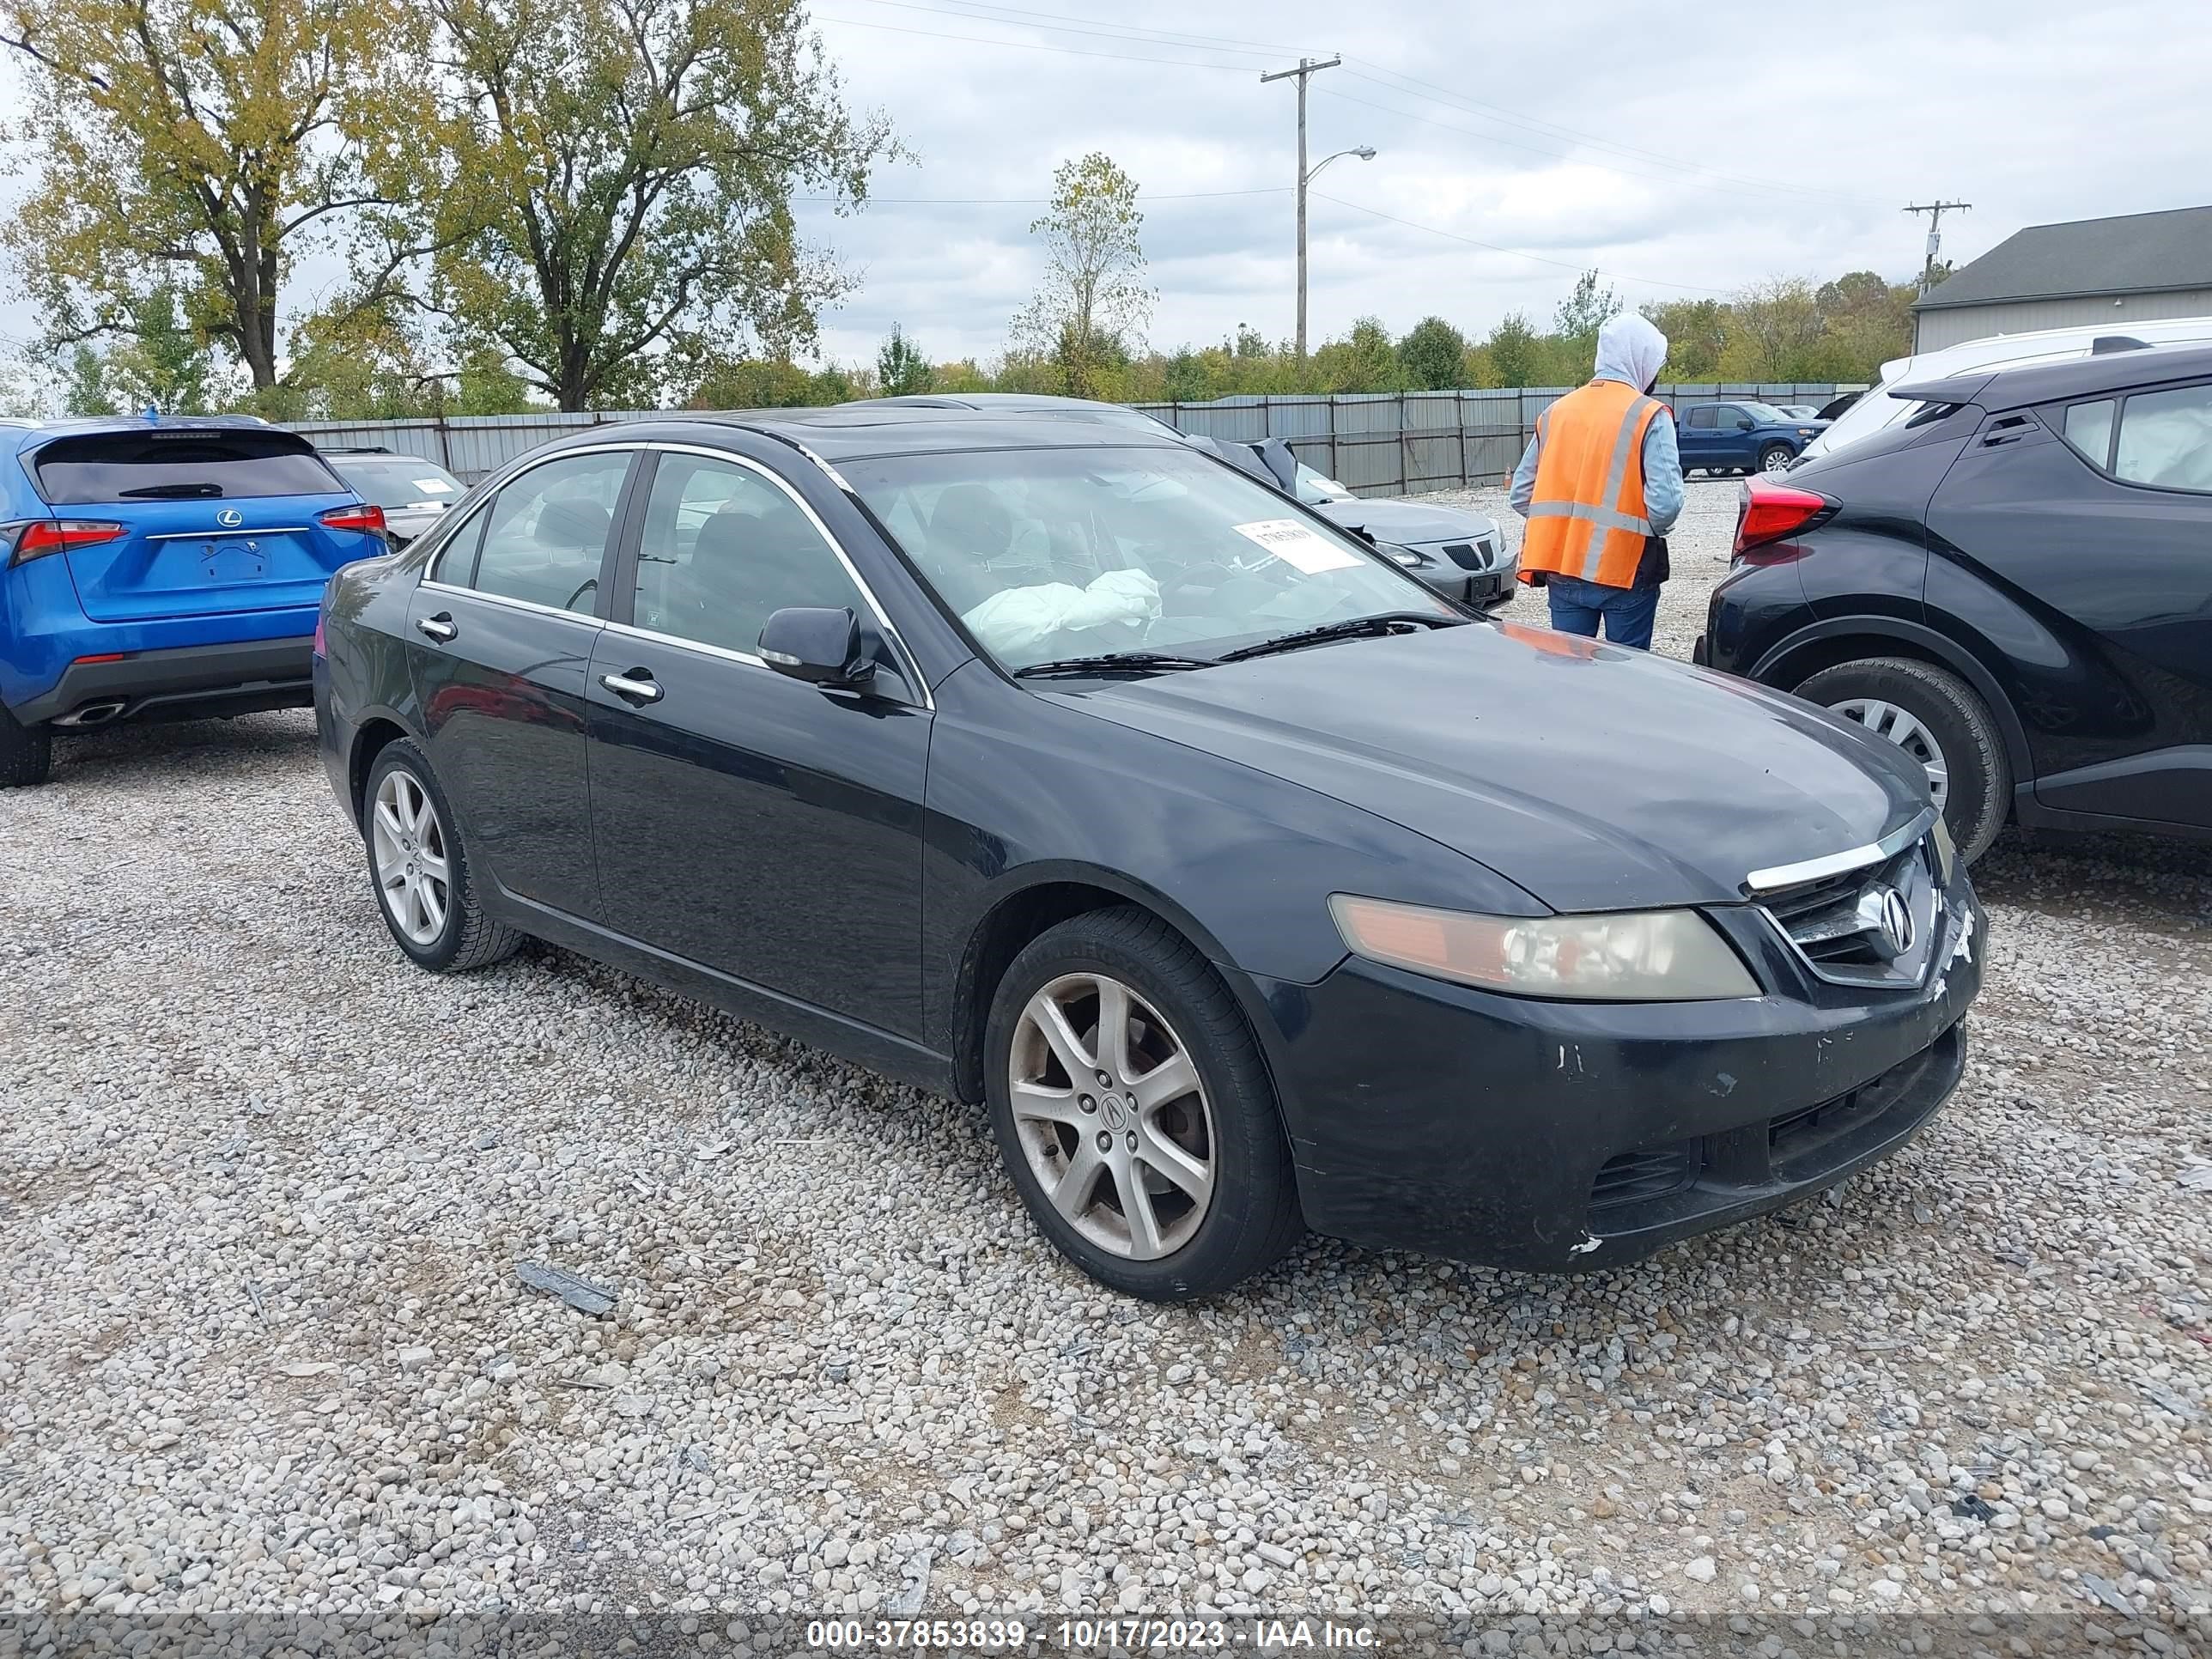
column 1252, row 885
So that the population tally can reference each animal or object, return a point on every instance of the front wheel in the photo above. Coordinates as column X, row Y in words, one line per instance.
column 424, row 886
column 1776, row 457
column 1938, row 720
column 1132, row 1110
column 27, row 753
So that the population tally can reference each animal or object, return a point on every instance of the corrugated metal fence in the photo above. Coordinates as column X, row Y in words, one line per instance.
column 1402, row 443
column 1375, row 444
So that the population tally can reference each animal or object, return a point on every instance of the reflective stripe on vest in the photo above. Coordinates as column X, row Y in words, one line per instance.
column 1578, row 526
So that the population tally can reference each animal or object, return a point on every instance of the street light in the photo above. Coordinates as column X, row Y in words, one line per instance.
column 1365, row 153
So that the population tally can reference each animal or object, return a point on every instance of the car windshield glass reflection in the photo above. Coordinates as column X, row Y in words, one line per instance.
column 1054, row 553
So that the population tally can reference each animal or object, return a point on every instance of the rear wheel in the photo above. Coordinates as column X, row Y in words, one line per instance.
column 424, row 887
column 1132, row 1110
column 1938, row 720
column 1776, row 457
column 27, row 753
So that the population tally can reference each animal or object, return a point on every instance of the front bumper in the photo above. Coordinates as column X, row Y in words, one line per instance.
column 183, row 682
column 1551, row 1136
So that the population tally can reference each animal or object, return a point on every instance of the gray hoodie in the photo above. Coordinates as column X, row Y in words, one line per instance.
column 1630, row 350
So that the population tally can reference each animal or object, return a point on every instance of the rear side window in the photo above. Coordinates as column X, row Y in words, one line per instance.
column 179, row 463
column 1702, row 416
column 2089, row 429
column 2165, row 439
column 546, row 533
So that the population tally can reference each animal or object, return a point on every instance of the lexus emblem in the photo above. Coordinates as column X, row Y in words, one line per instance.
column 1894, row 923
column 230, row 517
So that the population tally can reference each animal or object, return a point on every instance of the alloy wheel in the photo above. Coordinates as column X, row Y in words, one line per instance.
column 1777, row 461
column 1113, row 1117
column 1888, row 721
column 413, row 876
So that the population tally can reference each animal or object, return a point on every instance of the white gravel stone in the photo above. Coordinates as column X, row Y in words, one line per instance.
column 845, row 1374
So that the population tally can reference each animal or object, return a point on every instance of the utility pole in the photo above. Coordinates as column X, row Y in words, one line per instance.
column 1935, row 210
column 1307, row 68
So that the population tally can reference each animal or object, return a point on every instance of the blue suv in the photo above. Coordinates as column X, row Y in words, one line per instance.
column 1741, row 437
column 161, row 569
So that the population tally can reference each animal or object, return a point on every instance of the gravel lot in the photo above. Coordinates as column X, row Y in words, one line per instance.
column 263, row 1348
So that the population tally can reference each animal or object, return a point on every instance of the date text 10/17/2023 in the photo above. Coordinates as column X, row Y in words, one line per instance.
column 1089, row 1635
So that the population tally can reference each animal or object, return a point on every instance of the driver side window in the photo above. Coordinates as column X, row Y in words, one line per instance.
column 546, row 533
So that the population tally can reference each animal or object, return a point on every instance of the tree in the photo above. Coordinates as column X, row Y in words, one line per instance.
column 1587, row 310
column 1697, row 333
column 1514, row 350
column 1187, row 379
column 1364, row 361
column 198, row 144
column 626, row 169
column 1433, row 353
column 902, row 370
column 1772, row 326
column 1093, row 298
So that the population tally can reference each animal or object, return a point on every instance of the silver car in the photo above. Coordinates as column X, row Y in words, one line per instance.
column 414, row 493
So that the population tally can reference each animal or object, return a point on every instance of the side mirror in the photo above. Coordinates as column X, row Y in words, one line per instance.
column 1745, row 423
column 818, row 646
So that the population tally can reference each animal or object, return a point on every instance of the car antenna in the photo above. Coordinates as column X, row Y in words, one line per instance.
column 2105, row 343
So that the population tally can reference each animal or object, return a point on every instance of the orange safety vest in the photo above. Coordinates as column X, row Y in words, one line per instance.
column 1587, row 516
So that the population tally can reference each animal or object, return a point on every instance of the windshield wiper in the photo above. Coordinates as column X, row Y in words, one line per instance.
column 1389, row 622
column 172, row 492
column 1112, row 662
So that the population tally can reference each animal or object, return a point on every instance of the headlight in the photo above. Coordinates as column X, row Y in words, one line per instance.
column 1398, row 555
column 1632, row 956
column 1946, row 852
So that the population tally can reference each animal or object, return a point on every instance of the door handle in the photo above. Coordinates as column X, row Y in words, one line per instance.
column 636, row 686
column 439, row 628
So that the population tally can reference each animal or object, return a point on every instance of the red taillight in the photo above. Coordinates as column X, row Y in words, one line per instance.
column 43, row 536
column 317, row 647
column 1773, row 512
column 362, row 516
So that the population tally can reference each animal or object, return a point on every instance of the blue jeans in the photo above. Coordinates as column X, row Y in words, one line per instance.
column 1629, row 612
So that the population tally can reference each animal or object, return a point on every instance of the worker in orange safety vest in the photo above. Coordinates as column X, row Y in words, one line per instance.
column 1600, row 485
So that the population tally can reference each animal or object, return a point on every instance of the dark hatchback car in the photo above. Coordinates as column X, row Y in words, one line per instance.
column 2014, row 587
column 1253, row 885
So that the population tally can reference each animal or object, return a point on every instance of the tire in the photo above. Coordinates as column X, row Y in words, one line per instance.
column 27, row 753
column 1776, row 457
column 445, row 929
column 1229, row 1122
column 1976, row 780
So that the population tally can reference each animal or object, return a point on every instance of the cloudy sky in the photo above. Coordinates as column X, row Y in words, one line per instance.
column 1684, row 151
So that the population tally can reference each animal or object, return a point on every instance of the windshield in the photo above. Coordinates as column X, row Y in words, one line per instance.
column 1765, row 414
column 398, row 480
column 1049, row 554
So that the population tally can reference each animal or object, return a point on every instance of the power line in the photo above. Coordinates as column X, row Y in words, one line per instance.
column 1031, row 45
column 1061, row 23
column 1040, row 201
column 1556, row 155
column 1536, row 124
column 1518, row 253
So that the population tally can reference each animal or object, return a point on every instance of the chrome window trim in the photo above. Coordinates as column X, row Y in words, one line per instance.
column 1837, row 863
column 492, row 493
column 512, row 604
column 630, row 631
column 211, row 535
column 908, row 665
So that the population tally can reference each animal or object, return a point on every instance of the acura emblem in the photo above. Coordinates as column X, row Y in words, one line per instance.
column 230, row 517
column 1894, row 923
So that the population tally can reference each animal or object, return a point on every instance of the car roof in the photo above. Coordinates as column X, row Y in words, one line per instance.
column 2113, row 369
column 985, row 400
column 35, row 434
column 885, row 426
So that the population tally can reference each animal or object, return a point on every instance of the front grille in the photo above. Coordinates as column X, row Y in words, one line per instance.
column 1469, row 555
column 1653, row 1173
column 1835, row 921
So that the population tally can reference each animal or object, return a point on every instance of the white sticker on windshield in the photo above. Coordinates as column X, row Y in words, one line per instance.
column 434, row 486
column 1298, row 546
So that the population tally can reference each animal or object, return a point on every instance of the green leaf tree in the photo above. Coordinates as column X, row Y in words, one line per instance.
column 1434, row 354
column 626, row 170
column 1093, row 302
column 901, row 369
column 1514, row 350
column 200, row 145
column 1582, row 314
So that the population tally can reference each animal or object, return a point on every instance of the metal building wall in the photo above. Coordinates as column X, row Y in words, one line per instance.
column 1948, row 326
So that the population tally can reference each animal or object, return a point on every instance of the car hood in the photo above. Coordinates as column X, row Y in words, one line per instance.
column 1594, row 778
column 1408, row 521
